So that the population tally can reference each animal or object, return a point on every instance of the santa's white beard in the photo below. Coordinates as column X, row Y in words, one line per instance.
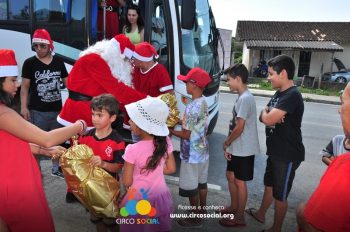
column 109, row 50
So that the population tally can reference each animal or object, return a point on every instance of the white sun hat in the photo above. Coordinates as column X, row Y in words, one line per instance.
column 150, row 114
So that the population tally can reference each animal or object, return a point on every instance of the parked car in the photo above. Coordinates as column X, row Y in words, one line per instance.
column 339, row 77
column 342, row 76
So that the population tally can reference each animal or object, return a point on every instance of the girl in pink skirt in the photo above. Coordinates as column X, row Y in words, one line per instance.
column 147, row 204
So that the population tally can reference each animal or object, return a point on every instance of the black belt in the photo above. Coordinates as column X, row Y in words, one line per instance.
column 109, row 8
column 78, row 96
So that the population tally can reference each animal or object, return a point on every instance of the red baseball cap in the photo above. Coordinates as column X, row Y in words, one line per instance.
column 197, row 76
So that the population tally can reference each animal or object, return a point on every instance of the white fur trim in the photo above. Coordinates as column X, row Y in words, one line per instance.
column 145, row 72
column 66, row 123
column 38, row 40
column 9, row 71
column 128, row 52
column 166, row 88
column 109, row 51
column 142, row 58
column 127, row 127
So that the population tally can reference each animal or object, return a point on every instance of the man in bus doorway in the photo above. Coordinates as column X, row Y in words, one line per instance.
column 40, row 92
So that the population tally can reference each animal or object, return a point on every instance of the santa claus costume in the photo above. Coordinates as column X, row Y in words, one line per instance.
column 101, row 68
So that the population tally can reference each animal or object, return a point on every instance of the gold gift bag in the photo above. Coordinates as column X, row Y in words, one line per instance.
column 96, row 189
column 174, row 113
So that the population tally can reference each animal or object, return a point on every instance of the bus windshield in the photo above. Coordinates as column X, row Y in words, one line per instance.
column 199, row 44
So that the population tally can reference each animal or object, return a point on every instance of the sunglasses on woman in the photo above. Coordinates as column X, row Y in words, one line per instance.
column 42, row 46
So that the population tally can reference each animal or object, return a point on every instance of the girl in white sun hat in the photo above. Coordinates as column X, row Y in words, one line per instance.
column 146, row 162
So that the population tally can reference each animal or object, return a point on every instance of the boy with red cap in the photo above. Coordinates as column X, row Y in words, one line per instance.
column 40, row 92
column 194, row 147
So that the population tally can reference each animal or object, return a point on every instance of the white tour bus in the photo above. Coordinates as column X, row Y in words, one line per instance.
column 190, row 36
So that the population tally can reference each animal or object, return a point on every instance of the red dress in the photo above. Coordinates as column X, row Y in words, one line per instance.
column 328, row 208
column 112, row 19
column 23, row 205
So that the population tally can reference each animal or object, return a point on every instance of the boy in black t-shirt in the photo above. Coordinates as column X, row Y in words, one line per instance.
column 107, row 145
column 42, row 75
column 282, row 117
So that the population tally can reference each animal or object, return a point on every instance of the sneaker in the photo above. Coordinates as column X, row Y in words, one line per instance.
column 70, row 198
column 58, row 174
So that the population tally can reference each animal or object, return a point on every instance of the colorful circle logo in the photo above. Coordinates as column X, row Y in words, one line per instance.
column 141, row 207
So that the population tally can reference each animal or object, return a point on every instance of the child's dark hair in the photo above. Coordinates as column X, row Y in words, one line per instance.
column 161, row 147
column 238, row 70
column 280, row 62
column 105, row 102
column 140, row 23
column 5, row 98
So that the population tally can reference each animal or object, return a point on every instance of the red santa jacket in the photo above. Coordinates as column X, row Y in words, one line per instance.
column 91, row 76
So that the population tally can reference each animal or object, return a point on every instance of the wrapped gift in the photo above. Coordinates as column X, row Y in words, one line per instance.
column 174, row 113
column 95, row 188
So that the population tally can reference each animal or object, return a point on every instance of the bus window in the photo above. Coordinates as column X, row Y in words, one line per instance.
column 159, row 33
column 77, row 24
column 65, row 20
column 197, row 43
column 3, row 10
column 16, row 11
column 53, row 11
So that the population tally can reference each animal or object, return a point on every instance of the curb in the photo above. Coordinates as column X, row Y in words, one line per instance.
column 307, row 97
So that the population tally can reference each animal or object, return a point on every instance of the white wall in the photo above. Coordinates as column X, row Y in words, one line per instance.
column 345, row 55
column 246, row 57
column 321, row 61
column 226, row 36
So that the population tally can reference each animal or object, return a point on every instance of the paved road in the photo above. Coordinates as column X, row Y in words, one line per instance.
column 320, row 123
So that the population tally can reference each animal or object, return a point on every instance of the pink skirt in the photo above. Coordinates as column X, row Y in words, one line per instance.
column 163, row 205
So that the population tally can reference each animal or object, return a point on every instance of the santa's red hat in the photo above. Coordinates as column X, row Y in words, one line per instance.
column 126, row 46
column 8, row 64
column 43, row 36
column 145, row 52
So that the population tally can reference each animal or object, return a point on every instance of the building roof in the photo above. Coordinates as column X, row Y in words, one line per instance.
column 339, row 32
column 295, row 45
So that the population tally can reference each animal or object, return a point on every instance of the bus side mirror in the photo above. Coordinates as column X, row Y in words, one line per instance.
column 188, row 12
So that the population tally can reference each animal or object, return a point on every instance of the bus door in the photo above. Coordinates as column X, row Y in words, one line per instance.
column 158, row 30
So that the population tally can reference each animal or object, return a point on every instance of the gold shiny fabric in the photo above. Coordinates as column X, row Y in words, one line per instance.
column 96, row 189
column 174, row 113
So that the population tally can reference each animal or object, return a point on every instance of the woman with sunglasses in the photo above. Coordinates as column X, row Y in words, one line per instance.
column 23, row 205
column 40, row 91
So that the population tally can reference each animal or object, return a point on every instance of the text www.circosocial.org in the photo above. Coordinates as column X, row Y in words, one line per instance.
column 202, row 215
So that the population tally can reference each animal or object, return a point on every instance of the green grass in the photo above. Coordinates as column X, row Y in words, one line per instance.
column 325, row 92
